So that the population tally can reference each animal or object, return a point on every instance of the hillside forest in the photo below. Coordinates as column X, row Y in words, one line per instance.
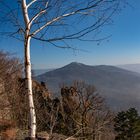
column 79, row 112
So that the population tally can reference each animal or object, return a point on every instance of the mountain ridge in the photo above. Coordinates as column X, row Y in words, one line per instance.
column 120, row 87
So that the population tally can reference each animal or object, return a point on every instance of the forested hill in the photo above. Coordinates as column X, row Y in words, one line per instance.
column 120, row 87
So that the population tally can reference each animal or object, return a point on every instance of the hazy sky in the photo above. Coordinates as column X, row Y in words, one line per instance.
column 122, row 48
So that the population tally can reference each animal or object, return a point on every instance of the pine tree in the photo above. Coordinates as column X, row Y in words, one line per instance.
column 127, row 125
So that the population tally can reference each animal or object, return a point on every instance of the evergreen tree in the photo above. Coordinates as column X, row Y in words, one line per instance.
column 127, row 125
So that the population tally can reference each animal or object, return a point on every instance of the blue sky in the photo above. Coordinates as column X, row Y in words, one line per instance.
column 123, row 47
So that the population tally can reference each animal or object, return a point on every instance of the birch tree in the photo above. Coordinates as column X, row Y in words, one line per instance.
column 55, row 22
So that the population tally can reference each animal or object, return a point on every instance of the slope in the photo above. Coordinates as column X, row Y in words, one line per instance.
column 120, row 87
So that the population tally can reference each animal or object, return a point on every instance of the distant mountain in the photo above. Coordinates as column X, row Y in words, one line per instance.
column 37, row 72
column 120, row 87
column 131, row 67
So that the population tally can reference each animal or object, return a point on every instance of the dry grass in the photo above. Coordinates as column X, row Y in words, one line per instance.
column 8, row 130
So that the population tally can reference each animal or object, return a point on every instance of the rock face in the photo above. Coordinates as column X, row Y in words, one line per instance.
column 120, row 87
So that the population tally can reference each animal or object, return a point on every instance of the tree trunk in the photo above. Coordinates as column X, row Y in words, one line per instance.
column 32, row 131
column 28, row 76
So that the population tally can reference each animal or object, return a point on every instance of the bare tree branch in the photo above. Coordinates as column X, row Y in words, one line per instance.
column 33, row 1
column 37, row 15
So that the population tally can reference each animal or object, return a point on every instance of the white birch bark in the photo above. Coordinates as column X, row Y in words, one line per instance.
column 28, row 76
